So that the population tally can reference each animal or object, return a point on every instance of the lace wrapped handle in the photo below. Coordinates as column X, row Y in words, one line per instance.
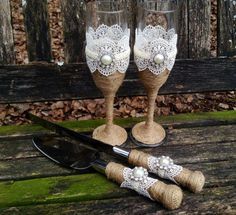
column 136, row 179
column 164, row 167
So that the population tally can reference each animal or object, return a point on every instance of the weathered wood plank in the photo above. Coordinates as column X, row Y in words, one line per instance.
column 218, row 170
column 183, row 43
column 218, row 200
column 20, row 160
column 75, row 82
column 57, row 189
column 201, row 152
column 37, row 30
column 199, row 28
column 94, row 186
column 74, row 30
column 7, row 55
column 29, row 168
column 202, row 156
column 201, row 135
column 17, row 148
column 226, row 28
column 21, row 147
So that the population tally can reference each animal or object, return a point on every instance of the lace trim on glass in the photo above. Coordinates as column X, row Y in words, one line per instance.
column 164, row 167
column 155, row 49
column 137, row 179
column 108, row 49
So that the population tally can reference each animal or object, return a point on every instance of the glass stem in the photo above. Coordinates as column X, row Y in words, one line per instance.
column 152, row 95
column 109, row 102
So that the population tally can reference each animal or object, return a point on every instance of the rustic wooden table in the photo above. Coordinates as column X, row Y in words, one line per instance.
column 31, row 184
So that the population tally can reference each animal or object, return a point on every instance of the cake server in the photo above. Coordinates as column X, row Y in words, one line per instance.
column 75, row 156
column 163, row 166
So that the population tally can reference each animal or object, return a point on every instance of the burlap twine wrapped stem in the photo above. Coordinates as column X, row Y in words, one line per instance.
column 109, row 133
column 169, row 195
column 193, row 180
column 150, row 132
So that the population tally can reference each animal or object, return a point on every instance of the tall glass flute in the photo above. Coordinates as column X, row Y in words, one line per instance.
column 107, row 54
column 155, row 52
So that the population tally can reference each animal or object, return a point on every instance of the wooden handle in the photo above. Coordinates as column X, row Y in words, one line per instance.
column 193, row 180
column 169, row 195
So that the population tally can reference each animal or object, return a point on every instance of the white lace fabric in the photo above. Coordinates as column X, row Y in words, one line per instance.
column 111, row 42
column 166, row 170
column 140, row 185
column 153, row 41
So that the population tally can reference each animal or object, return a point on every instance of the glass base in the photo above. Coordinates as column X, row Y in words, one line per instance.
column 145, row 136
column 115, row 135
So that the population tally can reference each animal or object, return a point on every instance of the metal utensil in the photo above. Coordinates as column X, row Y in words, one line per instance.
column 80, row 158
column 163, row 166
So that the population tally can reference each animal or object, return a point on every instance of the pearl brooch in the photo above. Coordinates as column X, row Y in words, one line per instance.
column 159, row 59
column 164, row 167
column 164, row 162
column 106, row 60
column 139, row 174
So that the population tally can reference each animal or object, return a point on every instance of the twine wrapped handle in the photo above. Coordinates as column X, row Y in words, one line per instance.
column 193, row 180
column 169, row 195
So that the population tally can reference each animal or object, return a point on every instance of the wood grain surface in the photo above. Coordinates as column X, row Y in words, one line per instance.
column 227, row 28
column 37, row 30
column 7, row 55
column 45, row 82
column 209, row 148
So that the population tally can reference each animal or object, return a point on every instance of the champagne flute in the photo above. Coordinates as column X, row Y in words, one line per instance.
column 154, row 52
column 107, row 54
